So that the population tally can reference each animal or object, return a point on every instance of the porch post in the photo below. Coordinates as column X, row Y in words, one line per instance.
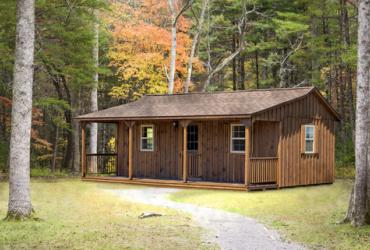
column 130, row 153
column 185, row 124
column 247, row 156
column 130, row 126
column 278, row 167
column 248, row 124
column 83, row 149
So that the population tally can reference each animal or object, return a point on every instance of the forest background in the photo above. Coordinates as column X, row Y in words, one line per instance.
column 232, row 45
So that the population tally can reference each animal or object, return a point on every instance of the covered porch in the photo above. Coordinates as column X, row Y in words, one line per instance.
column 186, row 153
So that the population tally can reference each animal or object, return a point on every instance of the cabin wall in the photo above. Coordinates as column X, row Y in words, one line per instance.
column 297, row 168
column 214, row 159
column 162, row 162
column 217, row 162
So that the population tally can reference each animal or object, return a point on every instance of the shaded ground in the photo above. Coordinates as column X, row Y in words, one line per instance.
column 228, row 230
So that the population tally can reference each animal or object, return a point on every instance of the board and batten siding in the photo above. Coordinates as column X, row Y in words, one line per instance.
column 218, row 164
column 216, row 161
column 296, row 167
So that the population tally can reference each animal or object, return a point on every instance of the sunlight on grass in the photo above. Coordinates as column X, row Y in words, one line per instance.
column 303, row 214
column 80, row 215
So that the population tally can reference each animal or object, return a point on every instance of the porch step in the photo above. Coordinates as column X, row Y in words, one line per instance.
column 253, row 187
column 168, row 183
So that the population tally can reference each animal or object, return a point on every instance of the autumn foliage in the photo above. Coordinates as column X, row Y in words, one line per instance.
column 141, row 48
column 37, row 122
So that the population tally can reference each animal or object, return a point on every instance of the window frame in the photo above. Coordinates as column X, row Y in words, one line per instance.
column 236, row 138
column 197, row 141
column 309, row 139
column 141, row 137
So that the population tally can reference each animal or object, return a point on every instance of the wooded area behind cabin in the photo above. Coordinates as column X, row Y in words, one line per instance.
column 242, row 45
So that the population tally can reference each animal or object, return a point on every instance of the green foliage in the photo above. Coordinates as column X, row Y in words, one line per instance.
column 57, row 107
column 46, row 172
column 4, row 149
column 345, row 159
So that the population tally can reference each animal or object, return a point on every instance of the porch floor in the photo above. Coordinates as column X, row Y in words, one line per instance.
column 169, row 183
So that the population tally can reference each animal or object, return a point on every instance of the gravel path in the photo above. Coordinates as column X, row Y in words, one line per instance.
column 228, row 230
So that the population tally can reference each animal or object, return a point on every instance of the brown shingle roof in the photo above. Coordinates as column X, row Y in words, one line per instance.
column 215, row 104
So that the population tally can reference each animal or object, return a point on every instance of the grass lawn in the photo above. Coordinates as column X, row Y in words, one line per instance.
column 303, row 214
column 81, row 215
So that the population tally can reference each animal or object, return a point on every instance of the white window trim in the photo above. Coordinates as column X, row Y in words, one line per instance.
column 231, row 138
column 313, row 139
column 141, row 137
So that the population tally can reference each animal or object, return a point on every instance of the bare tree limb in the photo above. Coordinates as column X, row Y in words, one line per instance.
column 241, row 31
column 194, row 45
column 184, row 8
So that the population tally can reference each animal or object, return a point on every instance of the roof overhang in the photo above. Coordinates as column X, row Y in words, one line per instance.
column 162, row 118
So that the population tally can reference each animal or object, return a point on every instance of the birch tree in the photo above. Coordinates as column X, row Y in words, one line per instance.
column 174, row 18
column 94, row 92
column 359, row 202
column 19, row 205
column 194, row 44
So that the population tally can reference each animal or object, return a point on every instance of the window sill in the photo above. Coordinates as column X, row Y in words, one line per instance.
column 313, row 153
column 237, row 152
column 148, row 150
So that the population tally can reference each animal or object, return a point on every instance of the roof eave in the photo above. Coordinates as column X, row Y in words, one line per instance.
column 198, row 117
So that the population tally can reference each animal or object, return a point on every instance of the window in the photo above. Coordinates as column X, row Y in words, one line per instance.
column 193, row 137
column 309, row 137
column 237, row 138
column 147, row 136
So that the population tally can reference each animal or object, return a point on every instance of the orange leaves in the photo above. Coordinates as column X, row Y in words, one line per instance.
column 37, row 121
column 141, row 47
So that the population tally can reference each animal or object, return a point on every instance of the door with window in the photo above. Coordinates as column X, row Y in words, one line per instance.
column 194, row 152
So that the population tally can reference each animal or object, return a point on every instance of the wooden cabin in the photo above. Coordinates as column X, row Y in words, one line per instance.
column 243, row 140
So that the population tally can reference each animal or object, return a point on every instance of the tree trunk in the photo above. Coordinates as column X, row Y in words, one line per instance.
column 345, row 24
column 334, row 88
column 194, row 45
column 241, row 72
column 342, row 96
column 68, row 154
column 76, row 146
column 351, row 110
column 76, row 132
column 235, row 87
column 362, row 110
column 55, row 150
column 94, row 93
column 19, row 173
column 209, row 66
column 257, row 69
column 171, row 80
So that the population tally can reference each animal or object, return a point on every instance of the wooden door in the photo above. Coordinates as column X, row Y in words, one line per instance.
column 194, row 152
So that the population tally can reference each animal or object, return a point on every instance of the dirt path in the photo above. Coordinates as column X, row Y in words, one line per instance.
column 228, row 230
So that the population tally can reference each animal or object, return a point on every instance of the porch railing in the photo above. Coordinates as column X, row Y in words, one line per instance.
column 101, row 164
column 263, row 170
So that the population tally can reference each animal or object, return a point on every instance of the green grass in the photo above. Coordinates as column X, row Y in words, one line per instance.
column 304, row 214
column 80, row 215
column 46, row 172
